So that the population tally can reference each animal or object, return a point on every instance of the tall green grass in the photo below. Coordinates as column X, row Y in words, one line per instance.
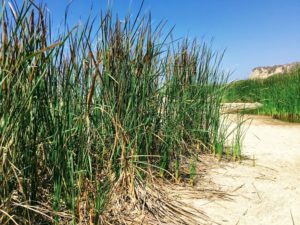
column 279, row 94
column 86, row 114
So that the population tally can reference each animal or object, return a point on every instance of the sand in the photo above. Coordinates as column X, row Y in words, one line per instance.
column 235, row 107
column 262, row 191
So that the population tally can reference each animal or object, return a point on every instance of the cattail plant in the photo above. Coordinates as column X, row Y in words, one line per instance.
column 96, row 111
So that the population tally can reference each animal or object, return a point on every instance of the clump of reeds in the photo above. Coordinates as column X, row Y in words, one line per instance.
column 96, row 111
column 279, row 94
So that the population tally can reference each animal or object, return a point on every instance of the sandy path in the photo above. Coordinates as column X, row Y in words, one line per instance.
column 235, row 107
column 267, row 193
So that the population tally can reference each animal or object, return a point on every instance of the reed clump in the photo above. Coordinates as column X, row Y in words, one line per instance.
column 279, row 94
column 96, row 112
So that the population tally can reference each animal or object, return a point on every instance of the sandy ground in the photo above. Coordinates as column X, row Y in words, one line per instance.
column 235, row 107
column 265, row 188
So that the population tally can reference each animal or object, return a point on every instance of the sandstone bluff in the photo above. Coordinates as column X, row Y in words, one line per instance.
column 267, row 71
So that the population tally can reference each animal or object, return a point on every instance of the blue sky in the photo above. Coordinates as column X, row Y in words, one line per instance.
column 253, row 32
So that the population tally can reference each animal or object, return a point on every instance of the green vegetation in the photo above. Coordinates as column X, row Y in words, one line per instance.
column 279, row 94
column 95, row 112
